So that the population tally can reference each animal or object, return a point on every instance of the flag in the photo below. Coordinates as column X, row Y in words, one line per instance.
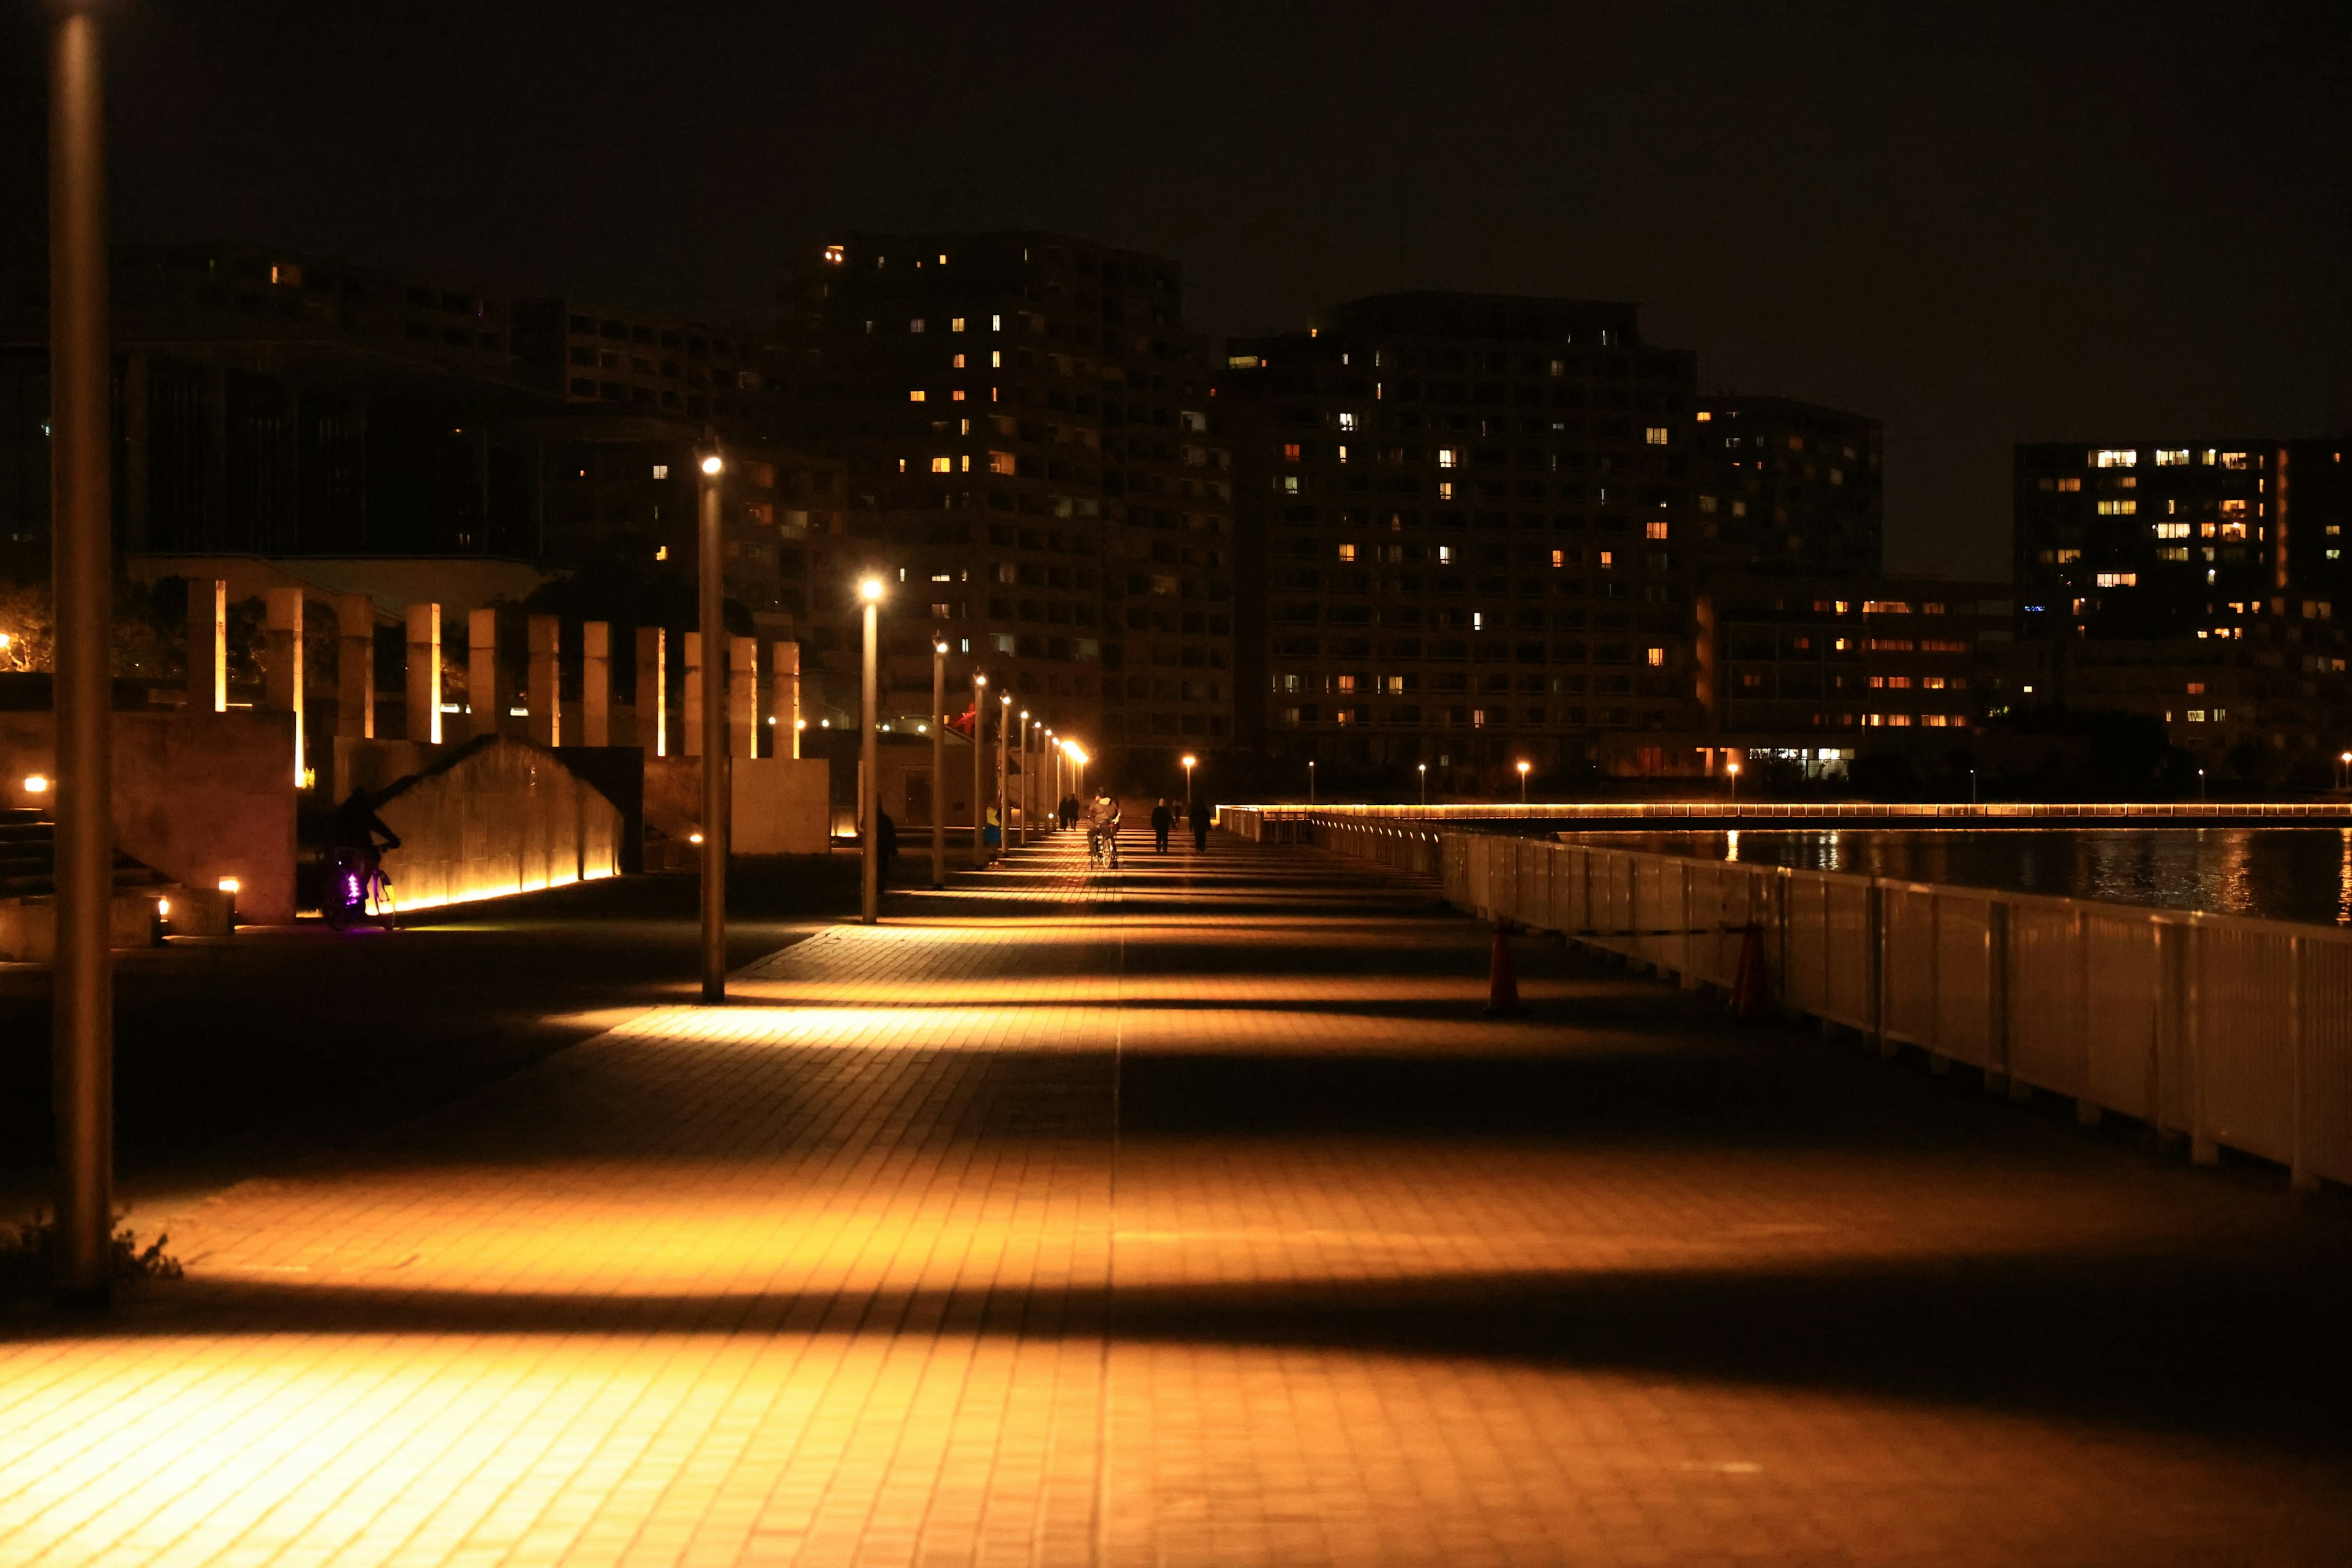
column 962, row 724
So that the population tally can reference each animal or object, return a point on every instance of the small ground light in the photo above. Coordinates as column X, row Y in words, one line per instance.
column 37, row 783
column 230, row 885
column 694, row 838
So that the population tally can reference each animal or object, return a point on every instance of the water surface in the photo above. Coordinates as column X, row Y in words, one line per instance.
column 2277, row 873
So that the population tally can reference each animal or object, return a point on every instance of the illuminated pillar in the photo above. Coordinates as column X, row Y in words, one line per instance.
column 283, row 686
column 653, row 690
column 787, row 698
column 425, row 673
column 355, row 666
column 482, row 695
column 743, row 697
column 596, row 683
column 544, row 680
column 693, row 704
column 207, row 645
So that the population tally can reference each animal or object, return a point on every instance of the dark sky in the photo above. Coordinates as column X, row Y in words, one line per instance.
column 1983, row 223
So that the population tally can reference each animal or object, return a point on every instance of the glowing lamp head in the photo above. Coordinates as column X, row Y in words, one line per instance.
column 1006, row 699
column 712, row 465
column 980, row 680
column 870, row 590
column 1024, row 712
column 938, row 647
column 1731, row 767
column 1524, row 766
column 1188, row 760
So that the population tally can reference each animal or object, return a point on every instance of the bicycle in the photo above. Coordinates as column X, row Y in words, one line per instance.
column 355, row 889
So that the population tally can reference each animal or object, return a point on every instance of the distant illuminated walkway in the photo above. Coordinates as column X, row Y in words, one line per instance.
column 1198, row 1214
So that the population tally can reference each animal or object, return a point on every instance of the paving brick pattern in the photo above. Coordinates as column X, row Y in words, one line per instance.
column 1200, row 1216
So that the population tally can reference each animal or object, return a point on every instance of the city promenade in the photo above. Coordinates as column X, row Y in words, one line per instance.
column 1198, row 1214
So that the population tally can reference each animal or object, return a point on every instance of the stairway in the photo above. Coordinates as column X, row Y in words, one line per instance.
column 29, row 859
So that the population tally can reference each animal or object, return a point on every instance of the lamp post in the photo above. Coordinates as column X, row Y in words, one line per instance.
column 869, row 759
column 1054, row 750
column 1310, row 781
column 1003, row 774
column 1188, row 760
column 710, row 568
column 1731, row 772
column 1523, row 766
column 81, row 524
column 2344, row 762
column 979, row 810
column 1425, row 786
column 1024, row 796
column 939, row 764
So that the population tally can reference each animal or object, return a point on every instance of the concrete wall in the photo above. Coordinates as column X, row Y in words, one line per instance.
column 199, row 796
column 778, row 804
column 492, row 817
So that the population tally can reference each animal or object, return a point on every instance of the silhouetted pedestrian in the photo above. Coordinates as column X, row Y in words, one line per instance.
column 1201, row 814
column 885, row 843
column 1163, row 819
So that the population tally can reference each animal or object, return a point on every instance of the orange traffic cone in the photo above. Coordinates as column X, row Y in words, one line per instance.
column 1502, row 980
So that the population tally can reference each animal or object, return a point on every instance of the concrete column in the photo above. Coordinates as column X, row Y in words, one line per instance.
column 743, row 697
column 544, row 683
column 693, row 704
column 653, row 690
column 355, row 666
column 207, row 644
column 596, row 683
column 282, row 690
column 482, row 673
column 425, row 674
column 787, row 698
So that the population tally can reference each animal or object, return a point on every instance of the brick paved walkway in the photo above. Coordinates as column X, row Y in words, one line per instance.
column 1201, row 1217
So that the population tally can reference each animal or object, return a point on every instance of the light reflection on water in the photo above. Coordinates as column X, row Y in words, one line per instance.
column 2276, row 873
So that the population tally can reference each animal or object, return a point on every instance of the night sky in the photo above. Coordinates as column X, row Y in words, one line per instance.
column 1982, row 224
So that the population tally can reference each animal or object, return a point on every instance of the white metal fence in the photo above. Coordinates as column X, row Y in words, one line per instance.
column 2236, row 1032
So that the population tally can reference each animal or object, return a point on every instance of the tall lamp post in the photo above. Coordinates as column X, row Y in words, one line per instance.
column 939, row 764
column 869, row 759
column 1025, row 778
column 1523, row 766
column 1732, row 770
column 1425, row 786
column 1188, row 760
column 979, row 809
column 710, row 569
column 1310, row 781
column 80, row 523
column 1003, row 774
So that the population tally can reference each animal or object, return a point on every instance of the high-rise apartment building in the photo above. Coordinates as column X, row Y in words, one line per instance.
column 1473, row 512
column 1024, row 422
column 1787, row 487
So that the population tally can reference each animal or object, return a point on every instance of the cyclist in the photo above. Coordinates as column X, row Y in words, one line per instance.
column 354, row 832
column 1102, row 829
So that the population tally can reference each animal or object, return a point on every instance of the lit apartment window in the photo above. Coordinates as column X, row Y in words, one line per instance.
column 1657, row 656
column 916, row 325
column 1290, row 451
column 2171, row 456
column 2117, row 508
column 1478, row 718
column 2118, row 579
column 958, row 362
column 1559, row 559
column 1655, row 435
column 1656, row 529
column 2070, row 484
column 1608, row 560
column 1347, row 422
column 955, row 324
column 2195, row 715
column 2111, row 457
column 916, row 395
column 834, row 255
column 2172, row 531
column 1347, row 552
column 661, row 470
column 1445, row 489
column 1000, row 462
column 1445, row 555
column 2234, row 459
column 995, row 323
column 943, row 465
column 1703, row 415
column 2065, row 557
column 1448, row 456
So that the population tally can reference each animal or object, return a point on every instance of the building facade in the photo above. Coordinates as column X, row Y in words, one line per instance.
column 1474, row 517
column 1024, row 424
column 1788, row 486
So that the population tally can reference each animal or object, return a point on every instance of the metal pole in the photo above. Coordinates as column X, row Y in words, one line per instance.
column 80, row 521
column 1025, row 778
column 1004, row 737
column 711, row 567
column 939, row 764
column 869, row 766
column 979, row 809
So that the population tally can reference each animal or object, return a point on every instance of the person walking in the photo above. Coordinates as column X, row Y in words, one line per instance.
column 1069, row 811
column 886, row 836
column 1163, row 819
column 1200, row 816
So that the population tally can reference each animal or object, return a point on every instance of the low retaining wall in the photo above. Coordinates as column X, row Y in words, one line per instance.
column 2236, row 1032
column 496, row 816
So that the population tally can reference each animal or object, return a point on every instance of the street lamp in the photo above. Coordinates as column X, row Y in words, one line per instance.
column 2344, row 762
column 869, row 779
column 1731, row 772
column 711, row 588
column 1188, row 760
column 1310, row 781
column 1003, row 771
column 1425, row 786
column 939, row 764
column 1523, row 766
column 1025, row 778
column 979, row 727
